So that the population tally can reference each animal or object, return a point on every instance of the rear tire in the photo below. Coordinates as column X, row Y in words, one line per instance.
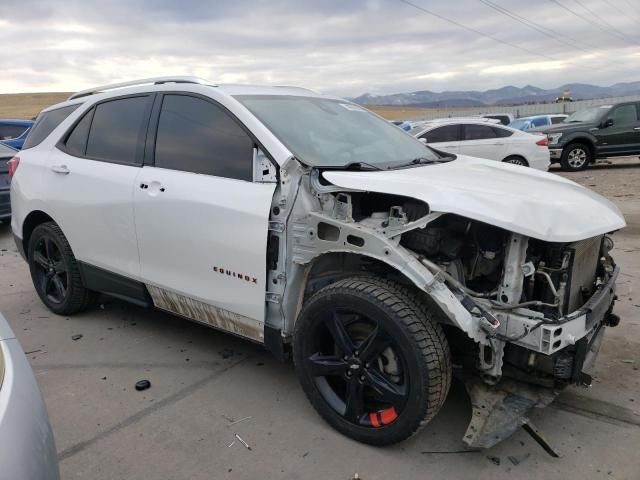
column 575, row 157
column 371, row 359
column 516, row 160
column 55, row 272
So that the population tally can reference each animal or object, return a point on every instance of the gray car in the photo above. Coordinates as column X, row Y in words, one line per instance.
column 6, row 153
column 28, row 451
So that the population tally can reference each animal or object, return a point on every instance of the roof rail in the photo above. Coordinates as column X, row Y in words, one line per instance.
column 144, row 81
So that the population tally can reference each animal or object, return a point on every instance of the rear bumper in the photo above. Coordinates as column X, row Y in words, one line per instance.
column 555, row 153
column 28, row 449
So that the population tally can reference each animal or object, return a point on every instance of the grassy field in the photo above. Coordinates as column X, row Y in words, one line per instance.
column 27, row 105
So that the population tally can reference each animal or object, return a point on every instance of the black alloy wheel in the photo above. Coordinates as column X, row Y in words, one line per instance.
column 55, row 272
column 372, row 359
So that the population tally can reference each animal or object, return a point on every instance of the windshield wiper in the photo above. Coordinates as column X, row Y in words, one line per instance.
column 360, row 166
column 421, row 161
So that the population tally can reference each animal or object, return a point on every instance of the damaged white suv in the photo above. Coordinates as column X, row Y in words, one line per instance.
column 316, row 228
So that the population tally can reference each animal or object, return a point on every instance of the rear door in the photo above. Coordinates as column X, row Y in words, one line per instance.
column 623, row 137
column 482, row 141
column 202, row 222
column 445, row 138
column 92, row 175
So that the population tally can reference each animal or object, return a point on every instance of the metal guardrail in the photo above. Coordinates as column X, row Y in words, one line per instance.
column 526, row 110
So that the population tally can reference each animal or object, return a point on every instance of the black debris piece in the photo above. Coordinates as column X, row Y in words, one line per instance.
column 494, row 460
column 76, row 337
column 142, row 385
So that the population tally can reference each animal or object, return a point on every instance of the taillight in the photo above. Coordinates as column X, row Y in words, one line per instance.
column 543, row 142
column 13, row 165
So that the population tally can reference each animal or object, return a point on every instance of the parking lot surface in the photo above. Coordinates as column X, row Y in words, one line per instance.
column 207, row 386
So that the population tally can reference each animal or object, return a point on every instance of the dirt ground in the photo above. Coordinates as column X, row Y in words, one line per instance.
column 27, row 105
column 208, row 386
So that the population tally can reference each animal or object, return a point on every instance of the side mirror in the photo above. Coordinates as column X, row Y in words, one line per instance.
column 607, row 123
column 423, row 140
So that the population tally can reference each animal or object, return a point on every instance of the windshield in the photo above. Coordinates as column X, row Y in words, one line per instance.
column 329, row 133
column 592, row 114
column 520, row 124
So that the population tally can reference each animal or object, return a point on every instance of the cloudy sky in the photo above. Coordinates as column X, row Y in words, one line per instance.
column 344, row 47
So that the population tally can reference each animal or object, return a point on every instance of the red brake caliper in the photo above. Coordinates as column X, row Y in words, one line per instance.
column 385, row 417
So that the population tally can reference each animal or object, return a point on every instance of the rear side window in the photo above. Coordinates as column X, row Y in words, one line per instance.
column 195, row 135
column 501, row 132
column 118, row 129
column 76, row 143
column 11, row 131
column 46, row 123
column 478, row 132
column 447, row 133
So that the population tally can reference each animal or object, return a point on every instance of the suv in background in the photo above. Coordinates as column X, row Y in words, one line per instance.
column 503, row 118
column 309, row 225
column 537, row 121
column 14, row 132
column 597, row 132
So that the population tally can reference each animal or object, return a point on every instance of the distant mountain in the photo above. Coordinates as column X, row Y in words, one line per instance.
column 509, row 95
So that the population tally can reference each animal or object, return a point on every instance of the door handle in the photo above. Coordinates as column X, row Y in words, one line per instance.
column 153, row 187
column 636, row 128
column 62, row 169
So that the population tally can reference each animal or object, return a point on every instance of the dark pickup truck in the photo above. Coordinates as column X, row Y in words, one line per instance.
column 597, row 132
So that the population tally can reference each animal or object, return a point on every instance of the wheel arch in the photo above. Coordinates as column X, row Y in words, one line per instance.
column 31, row 221
column 585, row 140
column 330, row 267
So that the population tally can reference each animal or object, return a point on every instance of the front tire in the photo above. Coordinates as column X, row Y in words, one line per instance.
column 575, row 157
column 371, row 359
column 54, row 271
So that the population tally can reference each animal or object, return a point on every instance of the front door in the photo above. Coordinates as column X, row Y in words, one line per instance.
column 623, row 137
column 202, row 223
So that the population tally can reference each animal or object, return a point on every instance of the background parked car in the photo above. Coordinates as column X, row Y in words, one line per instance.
column 28, row 450
column 537, row 121
column 597, row 132
column 6, row 153
column 14, row 132
column 479, row 138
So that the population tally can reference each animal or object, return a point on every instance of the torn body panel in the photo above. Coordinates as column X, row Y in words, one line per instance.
column 508, row 292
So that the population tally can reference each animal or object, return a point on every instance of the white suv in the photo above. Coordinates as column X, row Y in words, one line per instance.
column 314, row 227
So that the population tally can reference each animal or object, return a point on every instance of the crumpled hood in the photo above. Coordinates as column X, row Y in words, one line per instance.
column 522, row 200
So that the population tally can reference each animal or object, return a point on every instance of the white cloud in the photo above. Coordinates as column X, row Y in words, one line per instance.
column 346, row 48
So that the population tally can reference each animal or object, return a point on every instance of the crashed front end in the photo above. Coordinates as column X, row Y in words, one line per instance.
column 544, row 323
column 524, row 316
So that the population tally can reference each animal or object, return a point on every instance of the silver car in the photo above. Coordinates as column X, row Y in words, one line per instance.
column 28, row 451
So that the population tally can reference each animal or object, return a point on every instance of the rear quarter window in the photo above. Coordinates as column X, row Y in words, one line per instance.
column 46, row 123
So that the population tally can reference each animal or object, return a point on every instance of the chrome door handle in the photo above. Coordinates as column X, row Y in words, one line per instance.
column 62, row 169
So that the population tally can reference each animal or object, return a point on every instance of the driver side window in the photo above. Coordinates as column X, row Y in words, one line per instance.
column 625, row 115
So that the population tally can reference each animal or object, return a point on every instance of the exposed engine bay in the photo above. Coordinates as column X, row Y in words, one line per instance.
column 523, row 317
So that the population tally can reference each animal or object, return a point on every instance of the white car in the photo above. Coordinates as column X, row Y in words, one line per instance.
column 312, row 226
column 478, row 138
